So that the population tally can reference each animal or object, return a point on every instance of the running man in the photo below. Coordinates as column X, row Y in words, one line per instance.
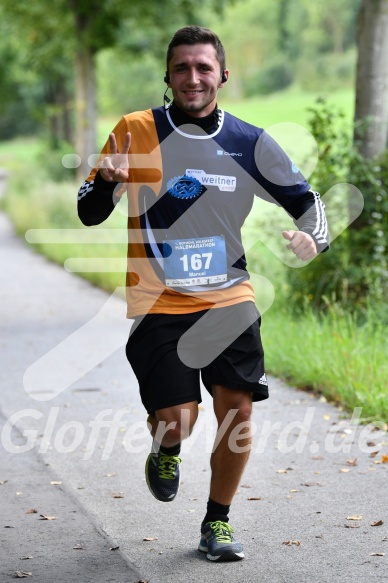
column 191, row 171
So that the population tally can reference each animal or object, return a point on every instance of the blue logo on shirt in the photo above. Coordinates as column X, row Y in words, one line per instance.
column 294, row 168
column 184, row 187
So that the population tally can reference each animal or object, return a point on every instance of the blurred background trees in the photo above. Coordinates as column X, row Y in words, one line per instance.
column 59, row 41
column 354, row 275
column 62, row 49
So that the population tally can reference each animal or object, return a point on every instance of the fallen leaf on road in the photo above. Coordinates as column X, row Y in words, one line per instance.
column 253, row 498
column 352, row 462
column 44, row 517
column 55, row 483
column 377, row 554
column 344, row 470
column 2, row 482
column 8, row 526
column 377, row 523
column 308, row 484
column 373, row 454
column 78, row 547
column 282, row 471
column 150, row 538
column 118, row 495
column 114, row 548
column 31, row 511
column 318, row 457
column 354, row 517
column 377, row 428
column 292, row 542
column 354, row 525
column 246, row 486
column 25, row 558
column 384, row 459
column 21, row 574
column 110, row 475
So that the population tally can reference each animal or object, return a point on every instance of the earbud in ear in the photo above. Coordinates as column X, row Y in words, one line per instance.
column 166, row 78
column 224, row 78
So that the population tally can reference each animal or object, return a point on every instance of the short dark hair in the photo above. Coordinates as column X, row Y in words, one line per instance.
column 194, row 35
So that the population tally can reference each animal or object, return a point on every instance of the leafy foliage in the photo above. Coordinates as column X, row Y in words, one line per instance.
column 54, row 31
column 269, row 44
column 353, row 274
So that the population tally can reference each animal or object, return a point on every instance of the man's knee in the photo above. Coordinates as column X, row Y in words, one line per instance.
column 228, row 401
column 174, row 424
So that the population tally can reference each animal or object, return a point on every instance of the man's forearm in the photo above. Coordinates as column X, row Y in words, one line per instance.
column 96, row 200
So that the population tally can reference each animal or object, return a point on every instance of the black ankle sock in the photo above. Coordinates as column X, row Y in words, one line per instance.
column 216, row 511
column 174, row 450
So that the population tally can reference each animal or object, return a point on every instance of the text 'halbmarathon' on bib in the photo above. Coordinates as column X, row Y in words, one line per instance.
column 195, row 261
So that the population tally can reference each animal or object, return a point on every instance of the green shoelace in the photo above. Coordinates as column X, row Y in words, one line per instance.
column 222, row 530
column 167, row 466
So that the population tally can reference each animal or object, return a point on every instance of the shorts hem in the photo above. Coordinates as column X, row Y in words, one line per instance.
column 257, row 395
column 173, row 403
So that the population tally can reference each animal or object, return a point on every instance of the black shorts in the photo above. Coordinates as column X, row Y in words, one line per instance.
column 168, row 353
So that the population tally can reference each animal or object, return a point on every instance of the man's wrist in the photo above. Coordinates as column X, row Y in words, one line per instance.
column 103, row 185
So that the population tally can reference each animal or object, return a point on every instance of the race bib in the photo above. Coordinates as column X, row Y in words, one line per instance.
column 195, row 261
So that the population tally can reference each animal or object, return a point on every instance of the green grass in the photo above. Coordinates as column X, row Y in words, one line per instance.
column 16, row 155
column 330, row 354
column 287, row 106
column 43, row 204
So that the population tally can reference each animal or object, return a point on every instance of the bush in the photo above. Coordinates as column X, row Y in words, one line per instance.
column 353, row 274
column 51, row 160
column 128, row 83
column 276, row 76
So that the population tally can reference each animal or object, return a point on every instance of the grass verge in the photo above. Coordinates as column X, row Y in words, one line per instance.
column 331, row 354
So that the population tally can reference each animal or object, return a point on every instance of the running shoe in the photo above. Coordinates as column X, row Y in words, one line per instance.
column 162, row 475
column 218, row 542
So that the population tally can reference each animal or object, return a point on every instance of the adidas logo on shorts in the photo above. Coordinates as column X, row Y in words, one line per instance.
column 263, row 380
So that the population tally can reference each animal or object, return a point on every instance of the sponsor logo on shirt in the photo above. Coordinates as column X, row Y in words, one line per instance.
column 223, row 153
column 185, row 187
column 224, row 183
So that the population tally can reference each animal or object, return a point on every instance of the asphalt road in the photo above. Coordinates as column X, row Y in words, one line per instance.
column 74, row 502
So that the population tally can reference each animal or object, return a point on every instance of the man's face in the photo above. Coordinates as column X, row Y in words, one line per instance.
column 195, row 76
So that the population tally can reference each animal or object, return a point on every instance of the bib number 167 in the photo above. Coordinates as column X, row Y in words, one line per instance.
column 198, row 261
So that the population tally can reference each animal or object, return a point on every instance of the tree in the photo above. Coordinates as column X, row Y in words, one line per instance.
column 355, row 272
column 81, row 28
column 371, row 112
column 97, row 26
column 367, row 239
column 34, row 74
